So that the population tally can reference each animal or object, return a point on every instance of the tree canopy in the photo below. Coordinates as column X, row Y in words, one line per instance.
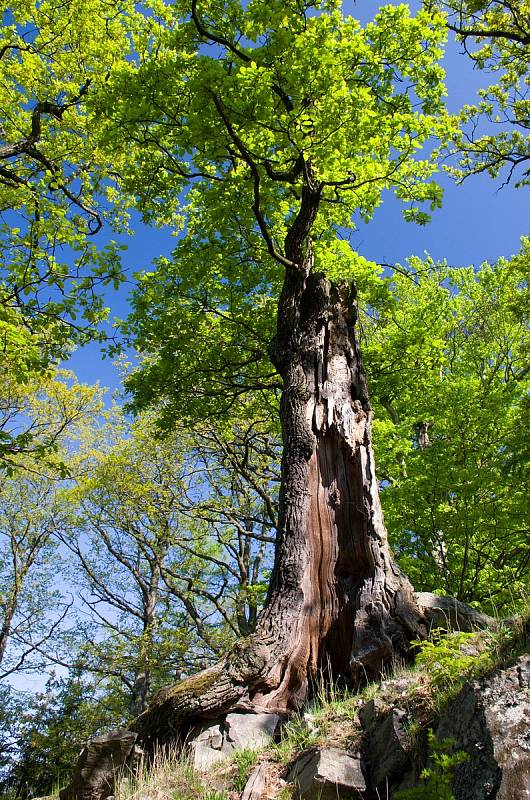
column 57, row 188
column 219, row 129
column 494, row 138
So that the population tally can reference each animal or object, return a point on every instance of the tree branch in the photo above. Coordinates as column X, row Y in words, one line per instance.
column 256, row 205
column 206, row 34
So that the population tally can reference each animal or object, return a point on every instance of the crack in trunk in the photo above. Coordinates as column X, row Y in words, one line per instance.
column 337, row 601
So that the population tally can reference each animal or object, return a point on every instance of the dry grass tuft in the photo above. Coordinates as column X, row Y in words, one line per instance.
column 167, row 775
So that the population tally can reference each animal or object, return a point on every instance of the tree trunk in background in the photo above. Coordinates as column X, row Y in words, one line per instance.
column 150, row 593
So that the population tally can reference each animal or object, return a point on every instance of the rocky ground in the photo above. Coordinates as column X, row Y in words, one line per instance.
column 456, row 726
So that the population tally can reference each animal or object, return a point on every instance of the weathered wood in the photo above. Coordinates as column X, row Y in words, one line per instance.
column 256, row 783
column 337, row 600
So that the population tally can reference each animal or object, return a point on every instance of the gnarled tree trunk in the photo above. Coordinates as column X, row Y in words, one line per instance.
column 337, row 601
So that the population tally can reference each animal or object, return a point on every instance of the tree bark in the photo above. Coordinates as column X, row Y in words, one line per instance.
column 337, row 600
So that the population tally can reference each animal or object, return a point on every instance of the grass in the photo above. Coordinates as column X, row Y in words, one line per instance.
column 169, row 775
column 243, row 761
column 329, row 719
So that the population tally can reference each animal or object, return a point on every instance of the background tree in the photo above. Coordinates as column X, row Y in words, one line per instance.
column 31, row 602
column 40, row 418
column 169, row 565
column 52, row 727
column 448, row 368
column 28, row 596
column 233, row 489
column 11, row 711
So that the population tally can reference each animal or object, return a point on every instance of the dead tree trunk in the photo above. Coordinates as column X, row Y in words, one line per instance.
column 337, row 601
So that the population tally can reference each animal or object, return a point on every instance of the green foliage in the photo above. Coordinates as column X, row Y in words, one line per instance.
column 448, row 659
column 438, row 778
column 53, row 727
column 210, row 141
column 30, row 603
column 55, row 182
column 198, row 130
column 39, row 422
column 12, row 707
column 244, row 760
column 447, row 361
column 136, row 561
column 168, row 554
column 494, row 136
column 40, row 418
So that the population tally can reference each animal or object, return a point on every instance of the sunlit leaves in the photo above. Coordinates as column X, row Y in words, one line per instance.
column 41, row 413
column 449, row 379
column 276, row 87
column 53, row 174
column 494, row 136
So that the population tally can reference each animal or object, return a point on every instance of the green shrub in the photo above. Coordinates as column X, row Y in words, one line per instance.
column 438, row 778
column 444, row 658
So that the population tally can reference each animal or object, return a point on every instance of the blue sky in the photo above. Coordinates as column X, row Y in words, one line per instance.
column 479, row 221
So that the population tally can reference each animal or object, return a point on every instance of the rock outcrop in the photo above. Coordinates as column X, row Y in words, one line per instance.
column 98, row 765
column 327, row 773
column 387, row 748
column 451, row 614
column 490, row 721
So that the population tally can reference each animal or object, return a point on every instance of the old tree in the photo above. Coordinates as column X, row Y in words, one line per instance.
column 263, row 131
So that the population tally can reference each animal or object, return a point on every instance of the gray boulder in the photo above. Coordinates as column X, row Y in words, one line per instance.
column 490, row 720
column 98, row 764
column 252, row 731
column 327, row 774
column 451, row 614
column 387, row 746
column 206, row 744
column 212, row 742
